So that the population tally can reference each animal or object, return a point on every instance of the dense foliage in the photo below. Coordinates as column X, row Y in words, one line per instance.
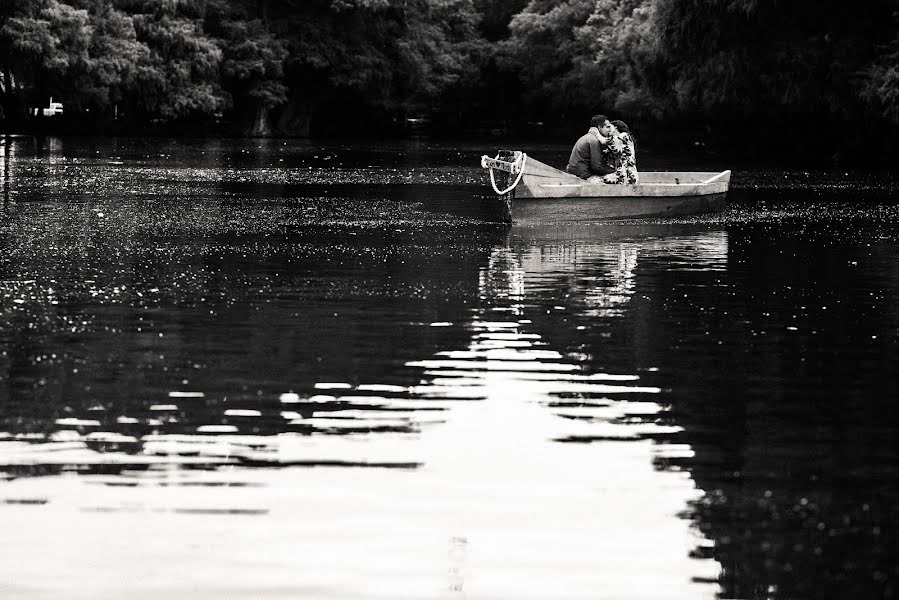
column 297, row 67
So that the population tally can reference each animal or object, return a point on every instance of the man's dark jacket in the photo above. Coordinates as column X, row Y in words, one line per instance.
column 586, row 158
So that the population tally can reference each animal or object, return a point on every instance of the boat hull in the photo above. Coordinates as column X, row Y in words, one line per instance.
column 594, row 208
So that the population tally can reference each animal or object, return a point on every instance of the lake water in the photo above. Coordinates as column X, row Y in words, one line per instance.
column 244, row 369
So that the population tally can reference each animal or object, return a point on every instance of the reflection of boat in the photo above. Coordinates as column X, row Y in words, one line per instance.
column 536, row 191
column 596, row 263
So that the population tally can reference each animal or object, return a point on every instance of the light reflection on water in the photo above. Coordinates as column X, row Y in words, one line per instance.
column 221, row 377
column 509, row 469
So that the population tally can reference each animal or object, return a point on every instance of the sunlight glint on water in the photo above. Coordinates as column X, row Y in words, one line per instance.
column 521, row 476
column 232, row 369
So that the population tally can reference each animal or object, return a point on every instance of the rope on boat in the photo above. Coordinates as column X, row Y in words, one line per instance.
column 523, row 159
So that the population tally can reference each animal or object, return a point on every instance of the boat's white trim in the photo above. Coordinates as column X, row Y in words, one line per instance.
column 614, row 185
column 718, row 176
column 684, row 185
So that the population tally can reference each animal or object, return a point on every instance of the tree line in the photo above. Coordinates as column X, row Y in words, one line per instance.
column 804, row 70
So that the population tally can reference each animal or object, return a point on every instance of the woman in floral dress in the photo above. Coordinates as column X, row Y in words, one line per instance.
column 624, row 152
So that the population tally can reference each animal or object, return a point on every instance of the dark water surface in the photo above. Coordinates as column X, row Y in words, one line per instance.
column 273, row 369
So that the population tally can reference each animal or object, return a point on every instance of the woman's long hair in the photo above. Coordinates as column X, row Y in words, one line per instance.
column 623, row 128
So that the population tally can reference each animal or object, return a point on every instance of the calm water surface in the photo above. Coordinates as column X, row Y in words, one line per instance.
column 267, row 369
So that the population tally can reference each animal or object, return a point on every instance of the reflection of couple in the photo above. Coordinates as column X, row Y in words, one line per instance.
column 605, row 154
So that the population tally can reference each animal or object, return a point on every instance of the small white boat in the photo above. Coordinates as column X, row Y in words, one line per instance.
column 534, row 191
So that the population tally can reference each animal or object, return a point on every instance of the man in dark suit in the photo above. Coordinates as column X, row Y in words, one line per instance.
column 587, row 155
